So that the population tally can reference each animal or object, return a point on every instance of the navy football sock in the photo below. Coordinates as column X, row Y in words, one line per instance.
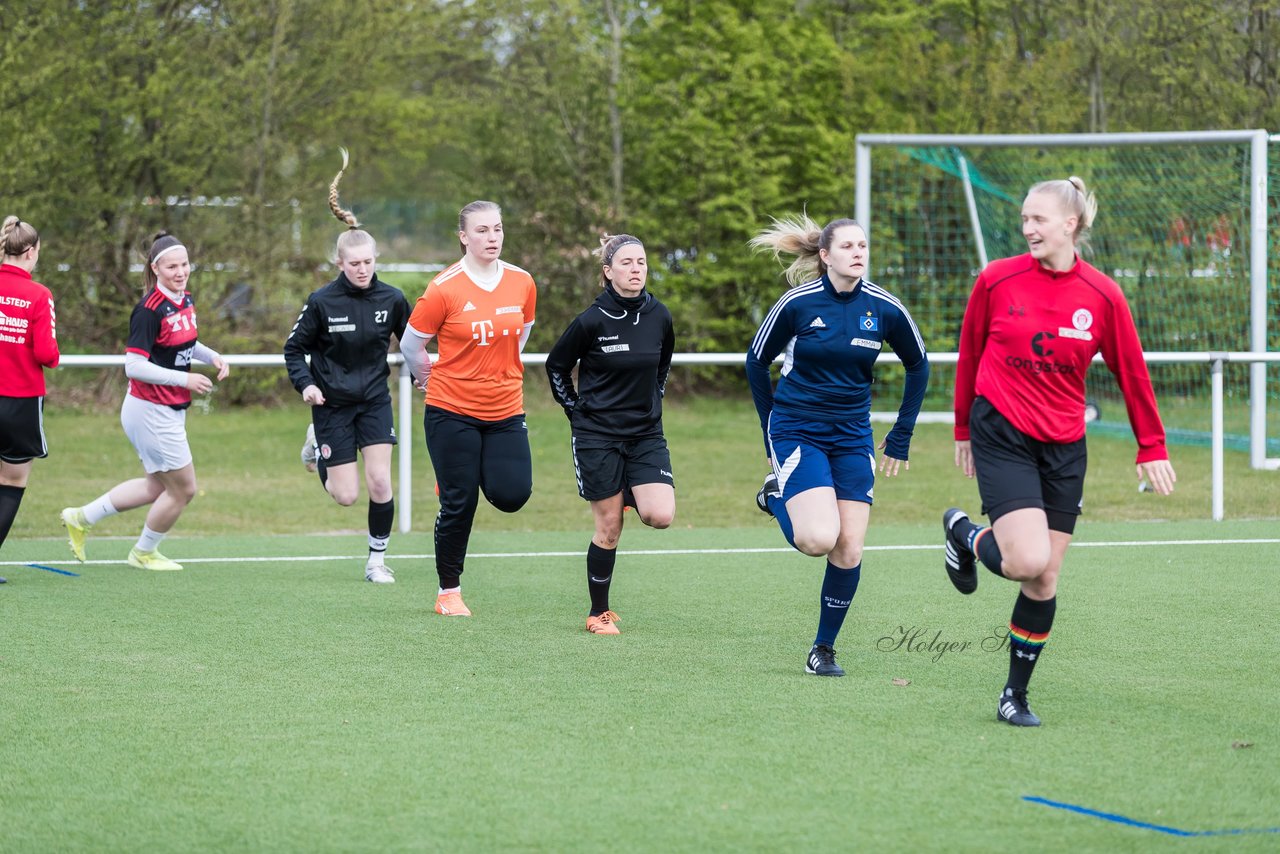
column 838, row 588
column 778, row 508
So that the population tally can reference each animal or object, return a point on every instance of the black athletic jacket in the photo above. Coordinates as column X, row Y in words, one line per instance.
column 346, row 331
column 622, row 347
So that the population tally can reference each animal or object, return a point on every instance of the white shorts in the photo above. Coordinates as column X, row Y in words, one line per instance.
column 158, row 434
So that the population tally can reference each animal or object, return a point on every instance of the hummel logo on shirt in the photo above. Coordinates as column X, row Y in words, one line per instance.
column 817, row 324
column 470, row 306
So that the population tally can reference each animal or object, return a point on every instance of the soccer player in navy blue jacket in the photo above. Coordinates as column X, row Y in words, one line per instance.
column 622, row 345
column 817, row 424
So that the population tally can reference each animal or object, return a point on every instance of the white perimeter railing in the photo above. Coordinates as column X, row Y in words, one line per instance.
column 407, row 396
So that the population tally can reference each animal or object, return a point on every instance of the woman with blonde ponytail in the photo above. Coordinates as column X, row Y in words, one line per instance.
column 28, row 345
column 345, row 328
column 1031, row 329
column 817, row 423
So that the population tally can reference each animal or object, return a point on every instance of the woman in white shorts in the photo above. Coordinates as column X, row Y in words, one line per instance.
column 162, row 345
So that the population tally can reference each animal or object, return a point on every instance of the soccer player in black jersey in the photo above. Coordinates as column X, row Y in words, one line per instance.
column 162, row 344
column 622, row 346
column 346, row 328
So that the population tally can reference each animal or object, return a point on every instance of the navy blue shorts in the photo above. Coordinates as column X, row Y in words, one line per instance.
column 807, row 454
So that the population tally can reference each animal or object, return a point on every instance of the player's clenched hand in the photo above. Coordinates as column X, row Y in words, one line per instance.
column 199, row 383
column 313, row 396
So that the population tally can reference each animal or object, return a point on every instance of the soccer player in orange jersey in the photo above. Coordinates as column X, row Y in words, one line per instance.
column 480, row 311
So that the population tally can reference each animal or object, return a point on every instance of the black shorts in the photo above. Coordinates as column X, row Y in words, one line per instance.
column 22, row 429
column 603, row 467
column 1016, row 471
column 342, row 430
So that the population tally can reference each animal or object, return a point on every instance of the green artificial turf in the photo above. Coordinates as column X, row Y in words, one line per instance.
column 267, row 699
column 269, row 704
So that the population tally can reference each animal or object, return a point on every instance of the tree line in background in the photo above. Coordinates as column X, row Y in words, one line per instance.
column 687, row 123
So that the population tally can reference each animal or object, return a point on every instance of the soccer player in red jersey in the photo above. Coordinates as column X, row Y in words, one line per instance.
column 28, row 345
column 162, row 344
column 1031, row 328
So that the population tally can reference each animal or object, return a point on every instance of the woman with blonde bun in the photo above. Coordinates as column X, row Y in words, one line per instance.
column 1032, row 326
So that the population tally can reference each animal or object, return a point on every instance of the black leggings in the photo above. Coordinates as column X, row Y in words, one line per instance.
column 470, row 455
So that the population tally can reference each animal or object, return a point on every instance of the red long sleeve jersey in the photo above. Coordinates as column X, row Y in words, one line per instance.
column 1028, row 336
column 28, row 341
column 163, row 332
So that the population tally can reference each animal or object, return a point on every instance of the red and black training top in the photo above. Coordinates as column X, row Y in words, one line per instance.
column 1028, row 336
column 28, row 341
column 163, row 332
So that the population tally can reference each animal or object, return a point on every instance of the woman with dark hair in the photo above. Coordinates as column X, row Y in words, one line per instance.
column 622, row 347
column 162, row 345
column 28, row 345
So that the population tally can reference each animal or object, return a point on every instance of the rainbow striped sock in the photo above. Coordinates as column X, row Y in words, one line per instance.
column 1028, row 631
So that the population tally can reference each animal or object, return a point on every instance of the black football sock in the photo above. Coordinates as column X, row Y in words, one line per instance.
column 10, row 498
column 599, row 576
column 1028, row 630
column 381, row 517
column 982, row 542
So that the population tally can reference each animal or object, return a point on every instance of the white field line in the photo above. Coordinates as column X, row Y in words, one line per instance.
column 622, row 552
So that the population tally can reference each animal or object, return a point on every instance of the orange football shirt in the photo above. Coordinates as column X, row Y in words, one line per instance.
column 479, row 372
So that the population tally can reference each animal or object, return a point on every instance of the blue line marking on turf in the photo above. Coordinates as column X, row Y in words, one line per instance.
column 54, row 569
column 1120, row 819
